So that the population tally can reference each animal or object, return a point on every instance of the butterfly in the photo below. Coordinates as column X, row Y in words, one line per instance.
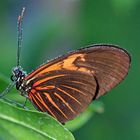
column 65, row 86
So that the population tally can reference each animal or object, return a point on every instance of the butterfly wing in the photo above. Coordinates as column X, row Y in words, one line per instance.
column 64, row 87
column 63, row 94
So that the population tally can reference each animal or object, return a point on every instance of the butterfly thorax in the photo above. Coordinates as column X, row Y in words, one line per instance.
column 18, row 77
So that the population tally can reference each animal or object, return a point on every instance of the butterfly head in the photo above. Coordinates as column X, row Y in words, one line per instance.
column 18, row 74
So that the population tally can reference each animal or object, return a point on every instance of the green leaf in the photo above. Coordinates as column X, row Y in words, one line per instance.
column 4, row 81
column 18, row 124
column 95, row 107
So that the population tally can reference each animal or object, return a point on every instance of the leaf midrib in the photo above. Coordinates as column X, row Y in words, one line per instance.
column 24, row 125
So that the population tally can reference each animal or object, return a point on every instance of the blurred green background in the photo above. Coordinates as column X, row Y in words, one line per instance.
column 54, row 27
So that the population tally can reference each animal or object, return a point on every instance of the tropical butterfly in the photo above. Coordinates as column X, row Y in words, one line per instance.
column 65, row 86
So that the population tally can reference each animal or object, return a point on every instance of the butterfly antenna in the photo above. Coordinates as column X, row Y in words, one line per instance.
column 19, row 37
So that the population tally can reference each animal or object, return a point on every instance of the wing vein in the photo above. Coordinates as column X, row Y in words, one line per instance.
column 42, row 102
column 54, row 104
column 74, row 89
column 64, row 102
column 69, row 95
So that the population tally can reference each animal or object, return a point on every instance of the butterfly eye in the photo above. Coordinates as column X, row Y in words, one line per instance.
column 13, row 78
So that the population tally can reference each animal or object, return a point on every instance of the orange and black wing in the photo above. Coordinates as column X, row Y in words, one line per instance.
column 64, row 87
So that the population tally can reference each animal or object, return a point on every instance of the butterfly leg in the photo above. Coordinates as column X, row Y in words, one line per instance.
column 14, row 102
column 24, row 105
column 7, row 90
